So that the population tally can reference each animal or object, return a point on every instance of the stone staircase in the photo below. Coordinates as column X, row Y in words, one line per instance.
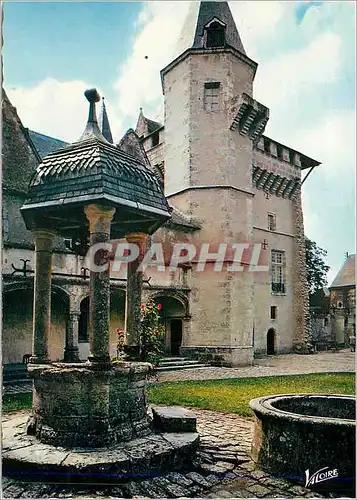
column 170, row 363
column 15, row 373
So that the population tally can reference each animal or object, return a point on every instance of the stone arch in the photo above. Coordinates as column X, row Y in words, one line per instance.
column 17, row 321
column 179, row 296
column 271, row 341
column 175, row 307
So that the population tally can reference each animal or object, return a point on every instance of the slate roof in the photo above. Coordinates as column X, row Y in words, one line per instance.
column 200, row 14
column 347, row 274
column 182, row 220
column 92, row 169
column 152, row 125
column 45, row 144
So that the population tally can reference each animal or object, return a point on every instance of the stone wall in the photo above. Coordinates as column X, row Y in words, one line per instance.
column 17, row 326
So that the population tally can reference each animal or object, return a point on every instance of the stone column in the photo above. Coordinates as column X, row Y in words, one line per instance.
column 99, row 218
column 71, row 351
column 42, row 294
column 133, row 297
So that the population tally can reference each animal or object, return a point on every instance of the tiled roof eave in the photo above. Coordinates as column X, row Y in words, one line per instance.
column 75, row 200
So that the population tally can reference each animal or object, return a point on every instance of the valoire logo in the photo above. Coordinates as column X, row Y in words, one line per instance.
column 320, row 476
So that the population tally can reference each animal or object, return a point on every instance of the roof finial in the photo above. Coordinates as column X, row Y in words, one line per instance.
column 92, row 130
column 104, row 123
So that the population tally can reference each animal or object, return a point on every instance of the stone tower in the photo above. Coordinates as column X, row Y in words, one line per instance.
column 211, row 121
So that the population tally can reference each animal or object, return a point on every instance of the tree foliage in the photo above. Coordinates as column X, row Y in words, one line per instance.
column 316, row 267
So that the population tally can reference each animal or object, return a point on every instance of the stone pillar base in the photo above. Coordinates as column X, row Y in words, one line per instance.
column 71, row 355
column 222, row 355
column 81, row 405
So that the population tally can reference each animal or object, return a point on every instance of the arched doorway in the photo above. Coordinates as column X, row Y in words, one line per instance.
column 172, row 313
column 271, row 341
column 176, row 336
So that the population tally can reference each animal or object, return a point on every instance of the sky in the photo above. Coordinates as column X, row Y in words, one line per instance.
column 306, row 56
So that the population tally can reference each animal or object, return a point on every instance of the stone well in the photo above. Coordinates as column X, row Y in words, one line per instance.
column 306, row 432
column 81, row 405
column 89, row 419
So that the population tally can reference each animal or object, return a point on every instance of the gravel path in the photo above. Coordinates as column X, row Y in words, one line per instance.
column 284, row 364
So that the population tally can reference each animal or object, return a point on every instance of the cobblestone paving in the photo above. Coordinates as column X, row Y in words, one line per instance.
column 222, row 469
column 284, row 364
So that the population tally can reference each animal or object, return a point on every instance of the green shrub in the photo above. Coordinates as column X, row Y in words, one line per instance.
column 152, row 335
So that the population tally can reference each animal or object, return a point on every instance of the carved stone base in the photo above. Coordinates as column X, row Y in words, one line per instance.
column 84, row 405
column 24, row 458
column 71, row 355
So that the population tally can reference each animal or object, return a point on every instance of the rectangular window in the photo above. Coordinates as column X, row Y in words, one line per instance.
column 273, row 311
column 211, row 96
column 277, row 271
column 272, row 222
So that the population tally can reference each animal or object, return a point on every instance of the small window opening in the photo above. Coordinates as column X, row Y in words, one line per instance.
column 272, row 222
column 266, row 145
column 273, row 312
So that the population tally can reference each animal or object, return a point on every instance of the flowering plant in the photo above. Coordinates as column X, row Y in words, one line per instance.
column 152, row 332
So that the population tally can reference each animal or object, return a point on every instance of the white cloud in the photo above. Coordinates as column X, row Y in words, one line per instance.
column 57, row 109
column 138, row 83
column 332, row 140
column 292, row 74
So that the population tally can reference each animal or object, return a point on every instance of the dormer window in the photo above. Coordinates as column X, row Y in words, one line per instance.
column 215, row 34
column 155, row 139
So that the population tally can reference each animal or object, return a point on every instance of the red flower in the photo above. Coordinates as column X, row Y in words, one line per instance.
column 159, row 307
column 142, row 307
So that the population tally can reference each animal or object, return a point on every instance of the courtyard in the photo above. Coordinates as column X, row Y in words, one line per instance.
column 222, row 467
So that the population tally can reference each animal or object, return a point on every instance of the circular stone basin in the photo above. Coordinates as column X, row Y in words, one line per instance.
column 296, row 435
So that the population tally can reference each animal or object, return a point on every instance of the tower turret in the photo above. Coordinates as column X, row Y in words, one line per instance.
column 211, row 120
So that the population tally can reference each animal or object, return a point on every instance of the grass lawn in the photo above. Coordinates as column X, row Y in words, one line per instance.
column 15, row 402
column 230, row 395
column 233, row 395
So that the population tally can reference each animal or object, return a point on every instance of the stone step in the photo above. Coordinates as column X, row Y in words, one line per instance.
column 179, row 362
column 17, row 381
column 172, row 358
column 182, row 366
column 14, row 373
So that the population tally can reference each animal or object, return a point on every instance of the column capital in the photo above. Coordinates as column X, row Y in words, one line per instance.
column 137, row 238
column 44, row 239
column 99, row 217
